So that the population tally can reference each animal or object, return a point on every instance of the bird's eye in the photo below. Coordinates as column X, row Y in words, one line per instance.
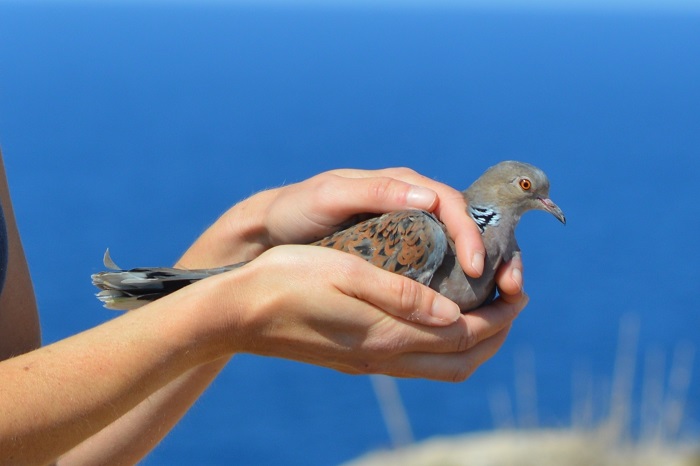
column 525, row 184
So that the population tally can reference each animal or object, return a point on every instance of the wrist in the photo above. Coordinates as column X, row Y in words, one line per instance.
column 237, row 307
column 196, row 320
column 245, row 223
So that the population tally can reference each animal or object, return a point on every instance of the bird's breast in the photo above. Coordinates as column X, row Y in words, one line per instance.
column 470, row 293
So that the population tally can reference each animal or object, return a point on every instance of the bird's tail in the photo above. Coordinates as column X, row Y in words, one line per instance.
column 129, row 289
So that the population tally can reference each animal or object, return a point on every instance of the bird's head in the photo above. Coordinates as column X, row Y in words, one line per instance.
column 514, row 188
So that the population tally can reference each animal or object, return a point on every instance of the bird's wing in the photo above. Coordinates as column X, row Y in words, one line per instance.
column 408, row 242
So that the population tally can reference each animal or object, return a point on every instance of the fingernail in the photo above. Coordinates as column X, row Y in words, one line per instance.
column 421, row 197
column 478, row 262
column 444, row 309
column 517, row 276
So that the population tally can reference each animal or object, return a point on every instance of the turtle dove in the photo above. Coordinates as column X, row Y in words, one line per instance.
column 412, row 243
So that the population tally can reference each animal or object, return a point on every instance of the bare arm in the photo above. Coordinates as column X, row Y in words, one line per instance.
column 253, row 226
column 241, row 234
column 54, row 397
column 124, row 384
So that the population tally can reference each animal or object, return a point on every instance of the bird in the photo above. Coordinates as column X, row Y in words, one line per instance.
column 412, row 243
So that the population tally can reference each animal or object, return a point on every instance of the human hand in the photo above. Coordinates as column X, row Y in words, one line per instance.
column 333, row 309
column 321, row 205
column 304, row 212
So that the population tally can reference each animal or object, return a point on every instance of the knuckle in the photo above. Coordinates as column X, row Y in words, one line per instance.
column 325, row 186
column 405, row 172
column 333, row 172
column 382, row 188
column 354, row 268
column 325, row 183
column 409, row 294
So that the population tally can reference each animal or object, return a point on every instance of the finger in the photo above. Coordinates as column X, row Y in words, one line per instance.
column 451, row 367
column 320, row 206
column 463, row 231
column 485, row 322
column 509, row 279
column 468, row 332
column 451, row 210
column 342, row 196
column 398, row 296
column 392, row 337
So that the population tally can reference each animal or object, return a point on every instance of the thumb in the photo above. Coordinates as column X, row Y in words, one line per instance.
column 399, row 296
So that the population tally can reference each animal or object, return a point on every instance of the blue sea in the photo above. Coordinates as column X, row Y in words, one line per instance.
column 133, row 126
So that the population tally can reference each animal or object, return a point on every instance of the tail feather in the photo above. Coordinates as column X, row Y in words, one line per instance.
column 129, row 289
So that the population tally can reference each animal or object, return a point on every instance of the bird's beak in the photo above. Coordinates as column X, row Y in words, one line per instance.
column 553, row 209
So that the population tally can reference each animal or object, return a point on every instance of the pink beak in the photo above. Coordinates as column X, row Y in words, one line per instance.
column 553, row 209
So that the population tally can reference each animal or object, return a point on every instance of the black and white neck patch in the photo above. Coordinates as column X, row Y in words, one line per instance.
column 484, row 216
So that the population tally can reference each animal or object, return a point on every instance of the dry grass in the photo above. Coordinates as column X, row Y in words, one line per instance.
column 627, row 433
column 538, row 447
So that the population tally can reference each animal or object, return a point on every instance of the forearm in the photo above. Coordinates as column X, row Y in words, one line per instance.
column 124, row 384
column 53, row 397
column 237, row 234
column 135, row 434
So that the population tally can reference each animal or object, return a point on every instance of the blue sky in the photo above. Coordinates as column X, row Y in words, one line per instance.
column 103, row 111
column 555, row 4
column 608, row 5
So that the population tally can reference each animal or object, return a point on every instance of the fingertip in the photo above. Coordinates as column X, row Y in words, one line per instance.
column 444, row 311
column 470, row 253
column 516, row 276
column 404, row 298
column 477, row 263
column 419, row 197
column 386, row 194
column 474, row 245
column 510, row 277
column 517, row 261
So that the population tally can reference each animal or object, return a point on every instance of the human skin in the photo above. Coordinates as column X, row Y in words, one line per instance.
column 110, row 394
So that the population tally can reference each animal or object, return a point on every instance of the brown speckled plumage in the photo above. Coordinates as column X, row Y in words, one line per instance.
column 403, row 242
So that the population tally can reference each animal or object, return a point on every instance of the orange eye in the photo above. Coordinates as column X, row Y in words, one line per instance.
column 525, row 184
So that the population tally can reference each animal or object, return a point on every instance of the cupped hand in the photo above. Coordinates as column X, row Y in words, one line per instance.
column 333, row 309
column 307, row 211
column 303, row 212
